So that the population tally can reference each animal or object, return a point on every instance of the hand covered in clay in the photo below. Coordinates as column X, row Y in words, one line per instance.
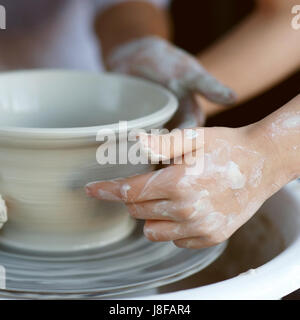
column 200, row 206
column 3, row 212
column 157, row 60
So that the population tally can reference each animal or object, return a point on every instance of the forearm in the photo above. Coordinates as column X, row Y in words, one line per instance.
column 130, row 20
column 280, row 132
column 260, row 52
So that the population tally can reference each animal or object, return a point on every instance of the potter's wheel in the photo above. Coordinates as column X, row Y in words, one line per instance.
column 128, row 266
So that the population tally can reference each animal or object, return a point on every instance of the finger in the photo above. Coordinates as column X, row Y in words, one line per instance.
column 167, row 230
column 163, row 230
column 169, row 146
column 140, row 188
column 194, row 243
column 188, row 115
column 160, row 210
column 148, row 211
column 212, row 89
column 192, row 106
column 211, row 226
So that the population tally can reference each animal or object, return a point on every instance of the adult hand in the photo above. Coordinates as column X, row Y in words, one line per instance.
column 200, row 206
column 157, row 60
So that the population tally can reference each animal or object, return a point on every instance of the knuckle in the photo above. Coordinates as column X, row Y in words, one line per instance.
column 134, row 211
column 185, row 214
column 151, row 235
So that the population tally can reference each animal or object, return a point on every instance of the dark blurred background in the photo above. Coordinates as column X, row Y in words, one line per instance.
column 206, row 21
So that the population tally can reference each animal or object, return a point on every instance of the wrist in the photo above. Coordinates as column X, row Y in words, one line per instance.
column 281, row 131
column 276, row 171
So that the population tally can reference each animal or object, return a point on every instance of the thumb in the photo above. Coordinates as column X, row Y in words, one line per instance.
column 188, row 115
column 162, row 147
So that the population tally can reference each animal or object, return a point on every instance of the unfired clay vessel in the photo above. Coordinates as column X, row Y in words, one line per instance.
column 48, row 126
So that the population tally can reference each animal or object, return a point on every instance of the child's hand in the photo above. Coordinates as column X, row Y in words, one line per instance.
column 156, row 59
column 200, row 207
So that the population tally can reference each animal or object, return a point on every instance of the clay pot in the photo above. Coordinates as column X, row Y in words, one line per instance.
column 48, row 126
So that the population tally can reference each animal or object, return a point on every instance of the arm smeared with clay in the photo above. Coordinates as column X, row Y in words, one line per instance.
column 134, row 41
column 202, row 206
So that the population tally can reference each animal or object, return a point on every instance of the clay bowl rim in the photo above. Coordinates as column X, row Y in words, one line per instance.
column 154, row 119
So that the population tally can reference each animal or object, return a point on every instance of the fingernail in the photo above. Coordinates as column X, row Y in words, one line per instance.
column 109, row 196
